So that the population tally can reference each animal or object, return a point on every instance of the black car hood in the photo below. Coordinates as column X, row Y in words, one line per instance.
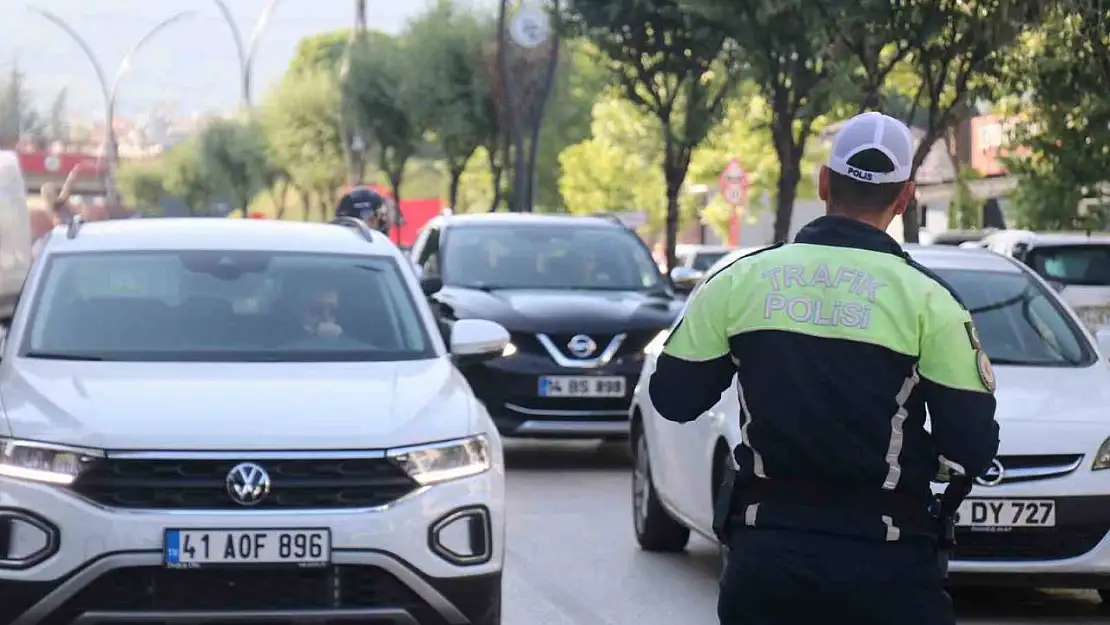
column 559, row 311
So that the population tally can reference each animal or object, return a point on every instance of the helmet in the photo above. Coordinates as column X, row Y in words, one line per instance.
column 365, row 204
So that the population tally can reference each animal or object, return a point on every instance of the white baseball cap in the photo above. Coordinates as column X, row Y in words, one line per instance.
column 873, row 131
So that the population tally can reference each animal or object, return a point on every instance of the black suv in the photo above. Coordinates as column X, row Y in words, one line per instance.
column 582, row 299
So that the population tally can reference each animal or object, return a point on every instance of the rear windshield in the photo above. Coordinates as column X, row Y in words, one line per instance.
column 1072, row 264
column 214, row 306
column 1018, row 321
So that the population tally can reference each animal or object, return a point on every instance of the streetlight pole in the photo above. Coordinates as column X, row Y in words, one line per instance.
column 110, row 90
column 246, row 53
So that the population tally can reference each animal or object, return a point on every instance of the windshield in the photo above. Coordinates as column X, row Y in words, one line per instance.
column 199, row 306
column 1018, row 321
column 704, row 260
column 1072, row 264
column 548, row 257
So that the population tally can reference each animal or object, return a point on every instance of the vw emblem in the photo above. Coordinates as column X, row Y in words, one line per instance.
column 993, row 475
column 582, row 346
column 248, row 484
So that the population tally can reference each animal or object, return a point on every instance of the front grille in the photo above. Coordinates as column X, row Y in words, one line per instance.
column 139, row 589
column 201, row 484
column 1026, row 468
column 633, row 343
column 1057, row 544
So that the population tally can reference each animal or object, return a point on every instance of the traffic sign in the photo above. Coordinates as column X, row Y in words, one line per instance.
column 530, row 27
column 734, row 183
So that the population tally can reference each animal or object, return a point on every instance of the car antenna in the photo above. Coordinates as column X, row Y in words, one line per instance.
column 355, row 224
column 74, row 226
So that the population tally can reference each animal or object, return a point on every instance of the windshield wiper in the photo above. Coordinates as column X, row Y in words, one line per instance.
column 57, row 356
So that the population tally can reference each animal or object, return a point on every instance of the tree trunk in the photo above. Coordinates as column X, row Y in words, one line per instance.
column 789, row 176
column 306, row 203
column 453, row 187
column 496, row 168
column 280, row 196
column 670, row 229
column 395, row 178
column 911, row 225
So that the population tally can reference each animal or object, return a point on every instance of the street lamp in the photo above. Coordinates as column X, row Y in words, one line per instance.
column 246, row 53
column 527, row 76
column 110, row 89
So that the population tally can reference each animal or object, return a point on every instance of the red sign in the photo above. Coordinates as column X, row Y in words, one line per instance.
column 734, row 183
column 38, row 163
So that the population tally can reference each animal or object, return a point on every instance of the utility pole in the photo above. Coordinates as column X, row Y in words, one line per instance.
column 354, row 144
column 110, row 90
column 246, row 53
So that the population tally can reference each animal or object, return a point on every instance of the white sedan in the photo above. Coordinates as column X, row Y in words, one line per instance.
column 1039, row 517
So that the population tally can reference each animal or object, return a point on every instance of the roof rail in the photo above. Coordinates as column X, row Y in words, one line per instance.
column 355, row 224
column 74, row 226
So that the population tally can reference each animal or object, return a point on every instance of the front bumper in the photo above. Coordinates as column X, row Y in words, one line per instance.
column 109, row 564
column 1075, row 553
column 509, row 387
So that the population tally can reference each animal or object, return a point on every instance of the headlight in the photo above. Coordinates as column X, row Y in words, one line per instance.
column 1102, row 458
column 656, row 344
column 43, row 462
column 443, row 462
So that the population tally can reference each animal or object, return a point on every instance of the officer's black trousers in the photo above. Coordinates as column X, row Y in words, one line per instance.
column 780, row 577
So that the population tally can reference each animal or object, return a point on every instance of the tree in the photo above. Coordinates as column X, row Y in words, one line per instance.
column 1064, row 136
column 676, row 67
column 321, row 51
column 301, row 119
column 456, row 103
column 951, row 48
column 143, row 185
column 233, row 157
column 618, row 168
column 57, row 125
column 186, row 178
column 789, row 55
column 387, row 96
column 17, row 115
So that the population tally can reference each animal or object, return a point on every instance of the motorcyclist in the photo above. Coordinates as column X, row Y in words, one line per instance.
column 368, row 205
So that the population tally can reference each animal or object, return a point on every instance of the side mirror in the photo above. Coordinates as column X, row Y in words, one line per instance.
column 1103, row 337
column 477, row 340
column 685, row 279
column 431, row 286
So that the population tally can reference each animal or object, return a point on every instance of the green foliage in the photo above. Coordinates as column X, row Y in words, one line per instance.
column 789, row 54
column 186, row 177
column 673, row 66
column 234, row 159
column 143, row 185
column 965, row 210
column 1064, row 166
column 322, row 51
column 17, row 115
column 455, row 103
column 301, row 120
column 388, row 99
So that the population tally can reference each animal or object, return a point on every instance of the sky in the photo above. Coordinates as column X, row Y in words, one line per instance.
column 189, row 68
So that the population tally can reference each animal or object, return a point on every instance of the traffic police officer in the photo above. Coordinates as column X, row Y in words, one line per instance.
column 366, row 204
column 838, row 342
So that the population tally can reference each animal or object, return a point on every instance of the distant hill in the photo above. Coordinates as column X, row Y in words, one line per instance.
column 191, row 67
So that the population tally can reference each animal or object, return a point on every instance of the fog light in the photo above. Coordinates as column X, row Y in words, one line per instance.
column 463, row 537
column 25, row 539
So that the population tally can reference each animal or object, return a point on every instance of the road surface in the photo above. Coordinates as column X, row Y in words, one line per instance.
column 572, row 558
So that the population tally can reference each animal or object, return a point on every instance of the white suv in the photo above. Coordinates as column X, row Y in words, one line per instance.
column 1039, row 517
column 210, row 420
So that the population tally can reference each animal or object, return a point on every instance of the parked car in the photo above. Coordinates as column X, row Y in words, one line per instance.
column 960, row 237
column 581, row 298
column 1040, row 516
column 15, row 234
column 1075, row 264
column 692, row 261
column 242, row 420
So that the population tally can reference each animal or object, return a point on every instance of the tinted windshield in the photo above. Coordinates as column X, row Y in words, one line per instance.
column 548, row 257
column 1072, row 264
column 705, row 260
column 199, row 306
column 1019, row 323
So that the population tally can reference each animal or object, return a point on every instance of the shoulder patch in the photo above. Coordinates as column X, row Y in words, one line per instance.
column 986, row 372
column 972, row 335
